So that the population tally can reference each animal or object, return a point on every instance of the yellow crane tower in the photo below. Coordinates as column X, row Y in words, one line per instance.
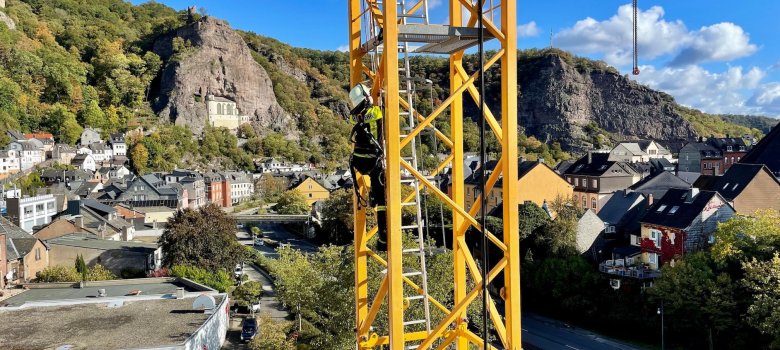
column 381, row 38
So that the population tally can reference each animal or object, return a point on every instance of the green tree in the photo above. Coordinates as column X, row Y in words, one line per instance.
column 337, row 217
column 92, row 115
column 81, row 267
column 248, row 293
column 63, row 124
column 273, row 335
column 700, row 300
column 269, row 188
column 203, row 238
column 292, row 202
column 762, row 279
column 746, row 237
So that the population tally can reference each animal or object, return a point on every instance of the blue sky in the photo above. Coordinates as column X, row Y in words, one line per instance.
column 718, row 56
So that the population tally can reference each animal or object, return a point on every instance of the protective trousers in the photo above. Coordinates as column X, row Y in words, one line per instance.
column 373, row 167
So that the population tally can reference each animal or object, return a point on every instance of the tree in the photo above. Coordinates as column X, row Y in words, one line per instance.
column 92, row 115
column 269, row 188
column 337, row 217
column 273, row 335
column 248, row 293
column 81, row 267
column 139, row 158
column 63, row 124
column 257, row 232
column 700, row 300
column 203, row 238
column 220, row 280
column 762, row 279
column 292, row 202
column 744, row 238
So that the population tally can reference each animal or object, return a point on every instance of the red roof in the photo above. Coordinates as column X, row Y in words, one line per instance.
column 41, row 135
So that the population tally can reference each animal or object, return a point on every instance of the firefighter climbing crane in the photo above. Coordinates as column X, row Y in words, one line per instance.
column 399, row 312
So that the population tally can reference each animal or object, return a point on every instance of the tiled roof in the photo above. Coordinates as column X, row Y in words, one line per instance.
column 658, row 184
column 766, row 151
column 733, row 182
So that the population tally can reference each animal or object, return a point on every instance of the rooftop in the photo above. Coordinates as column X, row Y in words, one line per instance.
column 86, row 240
column 146, row 286
column 143, row 323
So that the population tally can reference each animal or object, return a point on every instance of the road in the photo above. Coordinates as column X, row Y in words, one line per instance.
column 278, row 233
column 544, row 333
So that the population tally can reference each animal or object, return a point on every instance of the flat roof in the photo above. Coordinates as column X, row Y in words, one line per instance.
column 87, row 240
column 69, row 293
column 134, row 324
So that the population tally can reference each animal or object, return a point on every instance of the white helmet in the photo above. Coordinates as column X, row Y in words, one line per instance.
column 359, row 99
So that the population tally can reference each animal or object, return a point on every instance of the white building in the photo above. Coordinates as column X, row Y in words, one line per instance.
column 9, row 163
column 639, row 151
column 101, row 152
column 31, row 211
column 118, row 144
column 84, row 161
column 224, row 113
column 30, row 154
column 90, row 136
column 241, row 187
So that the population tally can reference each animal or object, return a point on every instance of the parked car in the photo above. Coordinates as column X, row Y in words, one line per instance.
column 248, row 329
column 259, row 241
column 239, row 270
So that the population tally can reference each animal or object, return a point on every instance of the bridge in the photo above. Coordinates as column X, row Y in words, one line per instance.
column 271, row 218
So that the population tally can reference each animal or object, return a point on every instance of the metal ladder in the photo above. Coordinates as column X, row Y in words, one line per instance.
column 407, row 92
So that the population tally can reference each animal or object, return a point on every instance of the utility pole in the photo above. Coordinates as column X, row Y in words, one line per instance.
column 661, row 312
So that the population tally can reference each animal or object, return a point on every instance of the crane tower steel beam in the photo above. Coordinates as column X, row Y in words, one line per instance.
column 386, row 302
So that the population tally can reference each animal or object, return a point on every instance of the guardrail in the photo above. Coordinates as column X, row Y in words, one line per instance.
column 272, row 218
column 629, row 271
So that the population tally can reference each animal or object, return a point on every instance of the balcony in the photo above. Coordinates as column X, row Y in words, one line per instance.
column 628, row 268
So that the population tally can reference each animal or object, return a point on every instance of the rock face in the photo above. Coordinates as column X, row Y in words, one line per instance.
column 208, row 57
column 4, row 17
column 558, row 99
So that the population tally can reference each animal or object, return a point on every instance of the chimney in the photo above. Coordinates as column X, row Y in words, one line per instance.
column 180, row 293
column 79, row 221
column 650, row 200
column 590, row 157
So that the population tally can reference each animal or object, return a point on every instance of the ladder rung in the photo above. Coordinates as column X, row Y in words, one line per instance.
column 409, row 204
column 409, row 227
column 411, row 16
column 403, row 113
column 412, row 250
column 415, row 297
column 409, row 323
column 413, row 273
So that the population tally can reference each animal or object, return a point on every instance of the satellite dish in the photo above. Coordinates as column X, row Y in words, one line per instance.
column 204, row 302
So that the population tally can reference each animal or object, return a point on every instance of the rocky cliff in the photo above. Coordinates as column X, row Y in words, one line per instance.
column 565, row 98
column 208, row 57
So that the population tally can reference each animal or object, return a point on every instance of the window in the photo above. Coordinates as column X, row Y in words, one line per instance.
column 653, row 257
column 661, row 208
column 584, row 202
column 311, row 195
column 37, row 253
column 593, row 203
column 50, row 205
column 655, row 236
column 610, row 229
column 674, row 209
column 726, row 185
column 594, row 183
column 39, row 207
column 568, row 178
column 576, row 181
column 728, row 148
column 735, row 187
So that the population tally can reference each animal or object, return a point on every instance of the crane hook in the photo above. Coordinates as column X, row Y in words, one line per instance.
column 636, row 46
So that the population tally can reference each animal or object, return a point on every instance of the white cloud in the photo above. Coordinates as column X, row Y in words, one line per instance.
column 528, row 30
column 432, row 4
column 657, row 37
column 767, row 98
column 697, row 87
column 343, row 48
column 718, row 42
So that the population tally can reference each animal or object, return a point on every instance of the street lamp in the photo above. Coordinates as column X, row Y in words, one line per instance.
column 660, row 311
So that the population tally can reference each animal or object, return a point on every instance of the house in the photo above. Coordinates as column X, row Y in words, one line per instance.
column 621, row 215
column 590, row 235
column 39, row 135
column 766, row 152
column 101, row 152
column 15, row 135
column 193, row 183
column 116, row 256
column 638, row 151
column 536, row 183
column 731, row 149
column 150, row 190
column 99, row 219
column 312, row 190
column 118, row 144
column 595, row 177
column 242, row 188
column 658, row 184
column 694, row 154
column 84, row 162
column 52, row 176
column 63, row 153
column 25, row 254
column 747, row 187
column 30, row 153
column 89, row 136
column 217, row 189
column 223, row 112
column 681, row 222
column 10, row 163
column 30, row 212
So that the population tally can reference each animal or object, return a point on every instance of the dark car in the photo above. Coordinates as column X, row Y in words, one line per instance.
column 248, row 329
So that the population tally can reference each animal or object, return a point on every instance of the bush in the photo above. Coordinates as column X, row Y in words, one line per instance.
column 99, row 273
column 220, row 280
column 58, row 273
